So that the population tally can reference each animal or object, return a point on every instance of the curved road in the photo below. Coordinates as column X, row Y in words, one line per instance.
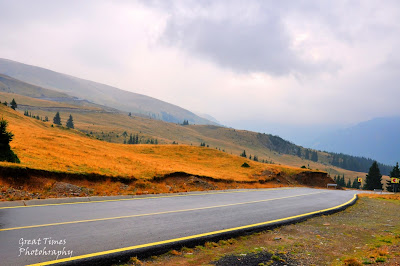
column 76, row 233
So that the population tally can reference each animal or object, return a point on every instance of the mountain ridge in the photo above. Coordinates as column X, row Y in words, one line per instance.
column 375, row 138
column 99, row 93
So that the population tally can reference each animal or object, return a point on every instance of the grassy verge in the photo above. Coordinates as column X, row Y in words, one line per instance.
column 366, row 233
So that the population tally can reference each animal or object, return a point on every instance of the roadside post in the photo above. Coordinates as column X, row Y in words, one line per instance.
column 359, row 182
column 395, row 182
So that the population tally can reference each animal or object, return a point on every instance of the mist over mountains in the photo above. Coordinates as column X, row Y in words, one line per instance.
column 100, row 93
column 377, row 138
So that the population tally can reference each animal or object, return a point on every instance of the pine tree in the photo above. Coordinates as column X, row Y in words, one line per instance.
column 307, row 154
column 57, row 119
column 340, row 181
column 373, row 179
column 6, row 154
column 70, row 122
column 299, row 152
column 355, row 183
column 314, row 156
column 243, row 154
column 13, row 104
column 5, row 136
column 394, row 173
column 348, row 185
column 343, row 181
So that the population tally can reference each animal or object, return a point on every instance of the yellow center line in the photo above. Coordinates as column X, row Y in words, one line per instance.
column 157, row 197
column 91, row 255
column 155, row 213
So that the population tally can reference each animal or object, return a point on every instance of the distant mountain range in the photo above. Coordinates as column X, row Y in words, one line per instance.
column 100, row 93
column 377, row 138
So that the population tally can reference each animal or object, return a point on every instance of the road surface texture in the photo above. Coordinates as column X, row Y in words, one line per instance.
column 105, row 232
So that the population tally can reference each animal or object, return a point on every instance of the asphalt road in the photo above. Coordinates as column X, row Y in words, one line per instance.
column 100, row 230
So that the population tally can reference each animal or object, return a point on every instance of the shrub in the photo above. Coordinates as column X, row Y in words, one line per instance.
column 246, row 165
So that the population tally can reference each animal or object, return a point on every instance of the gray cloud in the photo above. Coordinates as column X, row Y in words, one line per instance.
column 304, row 62
column 247, row 37
column 246, row 48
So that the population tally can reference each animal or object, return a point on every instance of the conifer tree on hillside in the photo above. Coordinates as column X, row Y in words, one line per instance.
column 70, row 122
column 342, row 182
column 373, row 179
column 13, row 104
column 298, row 152
column 355, row 183
column 57, row 119
column 348, row 185
column 307, row 154
column 314, row 156
column 6, row 154
column 243, row 154
column 394, row 173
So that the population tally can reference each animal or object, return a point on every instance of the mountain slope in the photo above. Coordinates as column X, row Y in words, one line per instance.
column 11, row 85
column 377, row 138
column 41, row 146
column 99, row 93
column 15, row 86
column 116, row 127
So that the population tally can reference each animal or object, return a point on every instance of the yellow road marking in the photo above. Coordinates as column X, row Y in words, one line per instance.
column 157, row 197
column 155, row 213
column 189, row 237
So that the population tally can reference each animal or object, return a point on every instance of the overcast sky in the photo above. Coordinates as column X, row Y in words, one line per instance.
column 247, row 63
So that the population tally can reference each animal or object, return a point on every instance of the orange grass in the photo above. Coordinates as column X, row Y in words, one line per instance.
column 380, row 196
column 109, row 126
column 40, row 146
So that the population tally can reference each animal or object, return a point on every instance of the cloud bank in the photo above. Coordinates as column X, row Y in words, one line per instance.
column 248, row 63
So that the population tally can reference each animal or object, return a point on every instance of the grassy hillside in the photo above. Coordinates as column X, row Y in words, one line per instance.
column 110, row 126
column 41, row 146
column 99, row 93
